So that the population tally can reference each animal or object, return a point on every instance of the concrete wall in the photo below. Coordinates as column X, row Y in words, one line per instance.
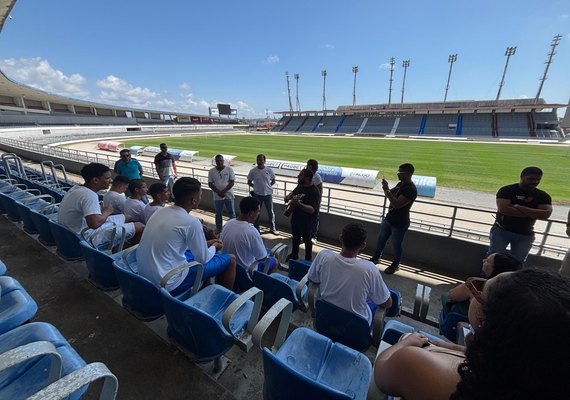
column 431, row 252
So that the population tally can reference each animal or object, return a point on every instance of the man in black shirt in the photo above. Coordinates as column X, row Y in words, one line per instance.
column 518, row 207
column 304, row 202
column 397, row 221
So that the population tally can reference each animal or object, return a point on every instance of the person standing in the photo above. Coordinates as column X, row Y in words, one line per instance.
column 303, row 204
column 318, row 183
column 518, row 207
column 166, row 167
column 565, row 268
column 397, row 221
column 128, row 166
column 221, row 180
column 262, row 179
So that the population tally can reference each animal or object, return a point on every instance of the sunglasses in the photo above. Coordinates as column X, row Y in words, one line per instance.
column 475, row 286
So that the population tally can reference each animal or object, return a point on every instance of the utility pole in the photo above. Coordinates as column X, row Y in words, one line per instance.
column 452, row 58
column 392, row 62
column 405, row 64
column 354, row 71
column 296, row 76
column 553, row 45
column 324, row 74
column 289, row 91
column 509, row 52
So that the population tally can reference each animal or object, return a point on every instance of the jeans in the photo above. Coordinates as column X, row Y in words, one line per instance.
column 268, row 202
column 397, row 234
column 315, row 227
column 168, row 180
column 219, row 206
column 301, row 227
column 520, row 244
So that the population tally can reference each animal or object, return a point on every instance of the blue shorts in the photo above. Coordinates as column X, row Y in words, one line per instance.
column 218, row 264
column 373, row 307
column 272, row 264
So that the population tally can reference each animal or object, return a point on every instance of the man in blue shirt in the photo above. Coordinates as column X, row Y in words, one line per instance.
column 127, row 166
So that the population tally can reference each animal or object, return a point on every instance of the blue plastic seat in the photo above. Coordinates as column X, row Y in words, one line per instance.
column 25, row 208
column 243, row 280
column 9, row 201
column 16, row 305
column 278, row 286
column 298, row 268
column 210, row 322
column 100, row 267
column 393, row 329
column 25, row 379
column 41, row 223
column 3, row 268
column 448, row 323
column 67, row 242
column 310, row 366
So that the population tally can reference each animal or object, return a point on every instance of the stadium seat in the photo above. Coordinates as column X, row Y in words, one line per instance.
column 310, row 366
column 393, row 329
column 3, row 268
column 100, row 267
column 67, row 242
column 41, row 222
column 25, row 207
column 298, row 268
column 16, row 305
column 244, row 274
column 278, row 286
column 30, row 376
column 448, row 324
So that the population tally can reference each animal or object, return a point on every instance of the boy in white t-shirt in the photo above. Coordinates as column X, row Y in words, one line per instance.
column 116, row 194
column 134, row 206
column 347, row 281
column 242, row 239
column 160, row 195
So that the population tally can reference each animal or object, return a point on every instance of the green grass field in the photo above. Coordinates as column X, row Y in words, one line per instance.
column 467, row 165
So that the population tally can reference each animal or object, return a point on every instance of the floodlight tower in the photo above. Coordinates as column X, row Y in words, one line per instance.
column 324, row 74
column 554, row 44
column 452, row 58
column 289, row 91
column 392, row 62
column 354, row 71
column 509, row 52
column 297, row 76
column 405, row 64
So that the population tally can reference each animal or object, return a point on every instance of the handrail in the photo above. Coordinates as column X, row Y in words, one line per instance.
column 463, row 222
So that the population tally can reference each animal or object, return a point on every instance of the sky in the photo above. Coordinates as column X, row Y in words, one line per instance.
column 186, row 56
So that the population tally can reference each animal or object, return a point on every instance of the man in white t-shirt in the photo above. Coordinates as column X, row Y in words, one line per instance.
column 171, row 233
column 135, row 204
column 160, row 195
column 80, row 208
column 347, row 281
column 221, row 180
column 262, row 179
column 116, row 194
column 242, row 239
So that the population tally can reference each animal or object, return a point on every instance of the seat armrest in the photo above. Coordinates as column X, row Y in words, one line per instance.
column 180, row 268
column 32, row 191
column 254, row 264
column 257, row 295
column 279, row 251
column 283, row 309
column 126, row 256
column 69, row 384
column 299, row 293
column 27, row 352
column 378, row 325
column 41, row 196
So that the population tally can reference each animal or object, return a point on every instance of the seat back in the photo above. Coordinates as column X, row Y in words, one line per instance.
column 16, row 305
column 100, row 267
column 67, row 242
column 298, row 269
column 448, row 324
column 396, row 308
column 195, row 330
column 273, row 289
column 41, row 222
column 140, row 297
column 243, row 281
column 342, row 326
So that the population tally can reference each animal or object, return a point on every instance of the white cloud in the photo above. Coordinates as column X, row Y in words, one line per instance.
column 38, row 73
column 329, row 46
column 271, row 60
column 118, row 91
column 523, row 96
column 384, row 66
column 564, row 16
column 184, row 87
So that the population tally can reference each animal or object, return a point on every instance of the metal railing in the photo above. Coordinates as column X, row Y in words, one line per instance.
column 468, row 223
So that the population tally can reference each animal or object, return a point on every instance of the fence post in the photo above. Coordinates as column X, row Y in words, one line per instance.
column 452, row 225
column 544, row 236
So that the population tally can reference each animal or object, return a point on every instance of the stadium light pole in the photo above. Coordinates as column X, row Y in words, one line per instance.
column 289, row 91
column 405, row 64
column 324, row 74
column 554, row 44
column 392, row 62
column 452, row 58
column 509, row 52
column 354, row 71
column 297, row 76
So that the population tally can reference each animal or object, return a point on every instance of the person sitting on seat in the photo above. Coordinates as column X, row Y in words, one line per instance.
column 457, row 299
column 80, row 210
column 522, row 325
column 116, row 194
column 160, row 195
column 171, row 232
column 347, row 281
column 241, row 238
column 135, row 204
